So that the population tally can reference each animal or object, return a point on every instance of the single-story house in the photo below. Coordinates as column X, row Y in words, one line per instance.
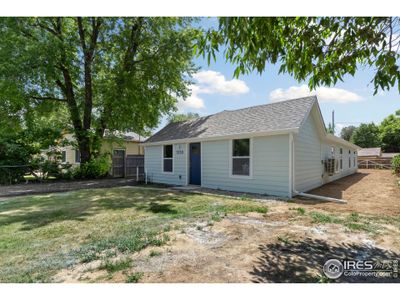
column 125, row 150
column 278, row 149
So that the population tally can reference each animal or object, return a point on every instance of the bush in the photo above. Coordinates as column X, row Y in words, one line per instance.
column 396, row 164
column 16, row 154
column 95, row 168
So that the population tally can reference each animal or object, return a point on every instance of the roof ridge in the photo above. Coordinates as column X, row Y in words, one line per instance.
column 272, row 103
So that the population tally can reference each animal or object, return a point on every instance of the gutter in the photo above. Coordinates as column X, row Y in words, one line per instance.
column 292, row 184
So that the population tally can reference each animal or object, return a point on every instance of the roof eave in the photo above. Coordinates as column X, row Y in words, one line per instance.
column 332, row 138
column 224, row 137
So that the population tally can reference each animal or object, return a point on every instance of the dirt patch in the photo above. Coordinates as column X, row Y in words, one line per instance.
column 367, row 192
column 248, row 248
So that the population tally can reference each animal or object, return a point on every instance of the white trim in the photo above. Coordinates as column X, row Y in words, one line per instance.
column 250, row 157
column 172, row 158
column 224, row 137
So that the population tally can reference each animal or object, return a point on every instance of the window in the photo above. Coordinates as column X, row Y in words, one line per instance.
column 354, row 159
column 349, row 159
column 77, row 156
column 241, row 157
column 341, row 159
column 168, row 158
column 63, row 156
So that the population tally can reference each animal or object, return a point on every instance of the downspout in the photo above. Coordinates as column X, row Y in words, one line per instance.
column 292, row 191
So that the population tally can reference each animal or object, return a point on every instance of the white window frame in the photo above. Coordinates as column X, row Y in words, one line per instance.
column 341, row 159
column 164, row 158
column 250, row 157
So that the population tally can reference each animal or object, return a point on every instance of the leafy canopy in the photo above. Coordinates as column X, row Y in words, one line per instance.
column 320, row 50
column 182, row 117
column 347, row 132
column 390, row 133
column 94, row 73
column 366, row 136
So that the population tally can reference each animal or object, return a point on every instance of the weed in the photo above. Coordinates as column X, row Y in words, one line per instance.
column 354, row 217
column 216, row 217
column 113, row 267
column 323, row 218
column 167, row 228
column 283, row 239
column 134, row 277
column 300, row 211
column 154, row 253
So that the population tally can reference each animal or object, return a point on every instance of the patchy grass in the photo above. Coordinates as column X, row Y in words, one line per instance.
column 113, row 267
column 353, row 221
column 300, row 210
column 42, row 234
column 134, row 277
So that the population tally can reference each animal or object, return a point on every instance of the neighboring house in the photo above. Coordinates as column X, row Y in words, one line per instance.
column 125, row 153
column 276, row 149
column 368, row 153
column 374, row 158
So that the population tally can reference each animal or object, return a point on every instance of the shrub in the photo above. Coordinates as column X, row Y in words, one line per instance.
column 396, row 164
column 96, row 168
column 13, row 153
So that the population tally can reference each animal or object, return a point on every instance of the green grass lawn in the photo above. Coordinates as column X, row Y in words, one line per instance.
column 40, row 235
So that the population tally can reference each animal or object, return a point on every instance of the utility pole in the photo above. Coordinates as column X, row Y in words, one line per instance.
column 333, row 122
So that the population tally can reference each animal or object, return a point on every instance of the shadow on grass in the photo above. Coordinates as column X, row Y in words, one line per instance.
column 38, row 211
column 302, row 261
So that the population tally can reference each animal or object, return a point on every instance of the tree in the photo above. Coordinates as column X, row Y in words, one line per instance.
column 330, row 129
column 320, row 50
column 390, row 133
column 366, row 136
column 347, row 132
column 182, row 117
column 106, row 73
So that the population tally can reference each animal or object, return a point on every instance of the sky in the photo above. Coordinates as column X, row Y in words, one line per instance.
column 215, row 90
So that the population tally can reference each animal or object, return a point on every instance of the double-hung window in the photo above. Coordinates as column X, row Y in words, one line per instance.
column 168, row 159
column 241, row 159
column 77, row 156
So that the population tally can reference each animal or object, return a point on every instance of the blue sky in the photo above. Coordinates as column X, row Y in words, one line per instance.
column 353, row 101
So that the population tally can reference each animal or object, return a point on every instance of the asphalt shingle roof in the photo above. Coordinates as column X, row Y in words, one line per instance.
column 271, row 117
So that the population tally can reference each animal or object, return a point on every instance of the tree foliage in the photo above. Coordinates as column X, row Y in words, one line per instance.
column 347, row 132
column 103, row 73
column 366, row 136
column 320, row 50
column 182, row 117
column 390, row 133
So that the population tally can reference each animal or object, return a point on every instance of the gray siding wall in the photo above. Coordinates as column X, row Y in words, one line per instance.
column 308, row 166
column 153, row 164
column 310, row 150
column 270, row 164
column 346, row 170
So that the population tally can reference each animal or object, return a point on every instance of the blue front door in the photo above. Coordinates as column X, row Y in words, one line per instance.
column 195, row 163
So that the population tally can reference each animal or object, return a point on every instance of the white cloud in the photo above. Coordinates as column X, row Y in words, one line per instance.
column 192, row 102
column 211, row 82
column 324, row 94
